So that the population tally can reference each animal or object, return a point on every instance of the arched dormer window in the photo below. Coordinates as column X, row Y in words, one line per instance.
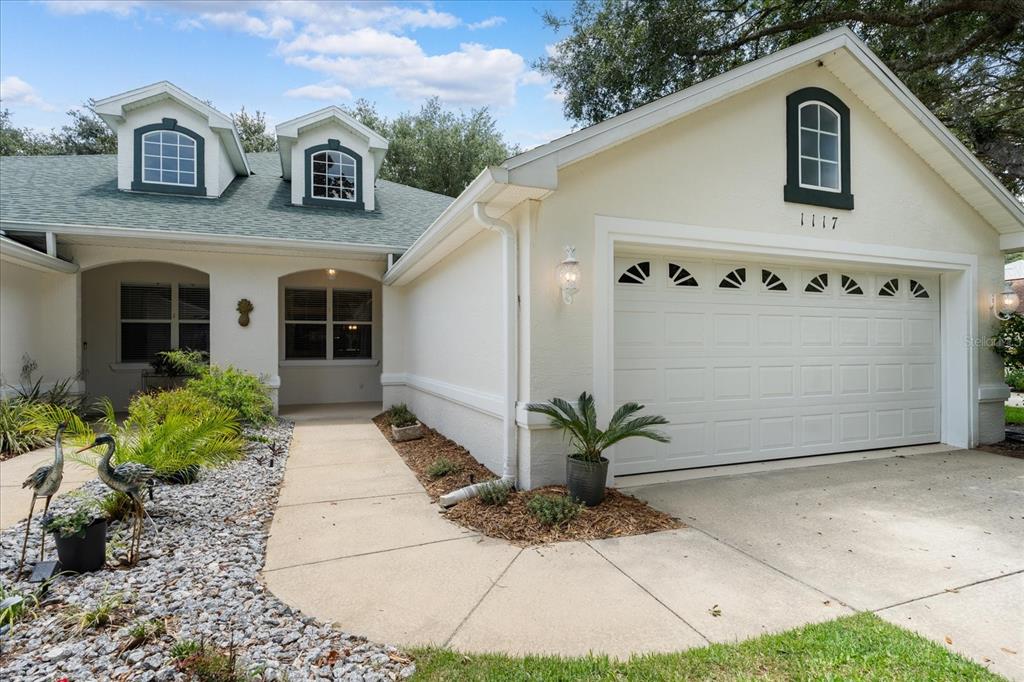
column 169, row 158
column 333, row 176
column 818, row 149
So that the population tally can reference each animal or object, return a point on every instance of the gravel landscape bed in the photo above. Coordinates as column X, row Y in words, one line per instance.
column 619, row 515
column 199, row 575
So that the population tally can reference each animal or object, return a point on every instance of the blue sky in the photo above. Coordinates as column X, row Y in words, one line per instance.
column 285, row 58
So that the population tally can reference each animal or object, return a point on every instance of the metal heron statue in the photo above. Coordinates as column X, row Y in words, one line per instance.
column 129, row 478
column 45, row 482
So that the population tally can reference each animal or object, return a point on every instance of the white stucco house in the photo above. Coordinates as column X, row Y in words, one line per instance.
column 794, row 258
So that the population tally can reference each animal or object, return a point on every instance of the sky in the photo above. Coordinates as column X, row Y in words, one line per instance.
column 285, row 58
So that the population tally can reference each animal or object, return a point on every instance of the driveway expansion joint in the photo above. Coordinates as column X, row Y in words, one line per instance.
column 349, row 499
column 480, row 601
column 376, row 551
column 949, row 590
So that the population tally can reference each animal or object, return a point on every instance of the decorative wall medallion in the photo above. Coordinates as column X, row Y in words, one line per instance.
column 244, row 307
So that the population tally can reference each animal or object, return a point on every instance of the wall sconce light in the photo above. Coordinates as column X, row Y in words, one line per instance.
column 1005, row 304
column 331, row 274
column 568, row 273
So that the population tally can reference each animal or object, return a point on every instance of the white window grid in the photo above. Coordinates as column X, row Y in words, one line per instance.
column 816, row 156
column 168, row 158
column 336, row 166
column 328, row 322
column 173, row 320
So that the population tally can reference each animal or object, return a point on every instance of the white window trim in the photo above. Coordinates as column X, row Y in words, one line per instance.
column 312, row 176
column 329, row 322
column 839, row 148
column 195, row 161
column 174, row 320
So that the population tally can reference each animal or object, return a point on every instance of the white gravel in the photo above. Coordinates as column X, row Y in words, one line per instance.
column 200, row 575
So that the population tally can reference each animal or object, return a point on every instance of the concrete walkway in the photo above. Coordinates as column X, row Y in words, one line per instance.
column 14, row 501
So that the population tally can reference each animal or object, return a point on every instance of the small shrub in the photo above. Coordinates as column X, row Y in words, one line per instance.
column 554, row 510
column 441, row 467
column 20, row 606
column 1015, row 379
column 400, row 415
column 184, row 648
column 244, row 393
column 207, row 664
column 18, row 433
column 158, row 405
column 102, row 614
column 75, row 522
column 116, row 505
column 180, row 363
column 143, row 631
column 494, row 493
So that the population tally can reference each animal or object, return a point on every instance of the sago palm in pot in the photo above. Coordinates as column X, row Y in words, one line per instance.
column 586, row 468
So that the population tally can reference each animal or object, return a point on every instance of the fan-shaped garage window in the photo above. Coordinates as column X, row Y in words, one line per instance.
column 818, row 284
column 636, row 273
column 734, row 280
column 917, row 289
column 771, row 281
column 890, row 288
column 850, row 286
column 680, row 276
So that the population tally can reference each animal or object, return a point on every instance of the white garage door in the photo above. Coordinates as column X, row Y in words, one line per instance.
column 751, row 360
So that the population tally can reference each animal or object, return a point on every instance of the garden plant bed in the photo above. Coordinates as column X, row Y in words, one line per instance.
column 198, row 580
column 619, row 515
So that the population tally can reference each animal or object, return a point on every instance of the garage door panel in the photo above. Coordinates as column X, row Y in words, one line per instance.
column 749, row 372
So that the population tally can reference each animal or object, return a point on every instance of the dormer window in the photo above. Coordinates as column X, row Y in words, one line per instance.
column 334, row 175
column 817, row 149
column 169, row 158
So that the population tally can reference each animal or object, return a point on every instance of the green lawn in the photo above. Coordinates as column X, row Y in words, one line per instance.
column 1014, row 415
column 861, row 647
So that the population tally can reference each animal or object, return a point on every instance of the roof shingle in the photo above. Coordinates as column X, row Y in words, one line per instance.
column 82, row 190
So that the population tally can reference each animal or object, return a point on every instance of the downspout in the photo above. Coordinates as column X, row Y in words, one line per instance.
column 510, row 297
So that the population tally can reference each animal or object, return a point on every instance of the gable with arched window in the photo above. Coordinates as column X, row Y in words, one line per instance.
column 333, row 176
column 169, row 158
column 818, row 149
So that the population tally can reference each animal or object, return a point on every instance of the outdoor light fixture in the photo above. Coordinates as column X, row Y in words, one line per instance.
column 568, row 273
column 331, row 274
column 1005, row 304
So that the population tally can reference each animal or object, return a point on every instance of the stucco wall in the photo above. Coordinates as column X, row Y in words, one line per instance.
column 444, row 349
column 233, row 276
column 726, row 167
column 331, row 381
column 219, row 171
column 38, row 318
column 102, row 370
column 319, row 135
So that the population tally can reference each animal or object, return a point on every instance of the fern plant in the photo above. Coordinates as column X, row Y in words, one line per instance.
column 586, row 440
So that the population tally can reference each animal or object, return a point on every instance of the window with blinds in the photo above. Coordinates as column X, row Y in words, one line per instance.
column 324, row 324
column 149, row 324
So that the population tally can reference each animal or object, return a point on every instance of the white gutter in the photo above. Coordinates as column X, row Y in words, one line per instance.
column 510, row 297
column 13, row 251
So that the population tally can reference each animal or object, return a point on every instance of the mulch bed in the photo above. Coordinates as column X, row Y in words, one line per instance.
column 1008, row 448
column 619, row 515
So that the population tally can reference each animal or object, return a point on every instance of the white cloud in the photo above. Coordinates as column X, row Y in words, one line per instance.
column 120, row 8
column 533, row 78
column 327, row 91
column 14, row 91
column 555, row 96
column 364, row 42
column 489, row 22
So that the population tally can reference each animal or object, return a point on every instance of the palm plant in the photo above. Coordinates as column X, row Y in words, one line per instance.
column 586, row 440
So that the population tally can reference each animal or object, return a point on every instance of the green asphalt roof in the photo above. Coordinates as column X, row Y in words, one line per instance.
column 82, row 190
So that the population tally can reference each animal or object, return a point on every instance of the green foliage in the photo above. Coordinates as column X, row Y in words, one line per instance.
column 20, row 605
column 1014, row 415
column 441, row 467
column 85, row 133
column 142, row 631
column 84, row 511
column 963, row 60
column 400, row 415
column 157, row 406
column 1015, row 378
column 116, row 505
column 207, row 664
column 101, row 614
column 18, row 432
column 184, row 648
column 252, row 129
column 21, row 141
column 183, row 362
column 586, row 440
column 861, row 647
column 554, row 510
column 494, row 493
column 234, row 389
column 1008, row 341
column 436, row 150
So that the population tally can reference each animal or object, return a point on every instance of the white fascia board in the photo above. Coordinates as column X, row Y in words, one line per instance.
column 165, row 236
column 12, row 251
column 111, row 110
column 295, row 126
column 1012, row 241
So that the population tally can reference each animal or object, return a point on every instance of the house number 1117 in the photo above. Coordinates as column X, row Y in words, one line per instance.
column 823, row 221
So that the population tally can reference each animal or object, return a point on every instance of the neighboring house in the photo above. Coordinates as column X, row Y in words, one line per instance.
column 793, row 258
column 1014, row 274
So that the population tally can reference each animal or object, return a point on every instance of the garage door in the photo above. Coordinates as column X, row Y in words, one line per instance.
column 753, row 360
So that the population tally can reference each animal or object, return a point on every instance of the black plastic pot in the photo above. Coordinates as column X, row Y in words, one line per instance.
column 82, row 555
column 585, row 480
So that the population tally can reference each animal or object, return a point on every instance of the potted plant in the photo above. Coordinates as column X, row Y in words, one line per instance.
column 81, row 536
column 586, row 469
column 404, row 424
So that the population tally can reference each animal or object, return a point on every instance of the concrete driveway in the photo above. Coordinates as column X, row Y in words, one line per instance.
column 931, row 542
